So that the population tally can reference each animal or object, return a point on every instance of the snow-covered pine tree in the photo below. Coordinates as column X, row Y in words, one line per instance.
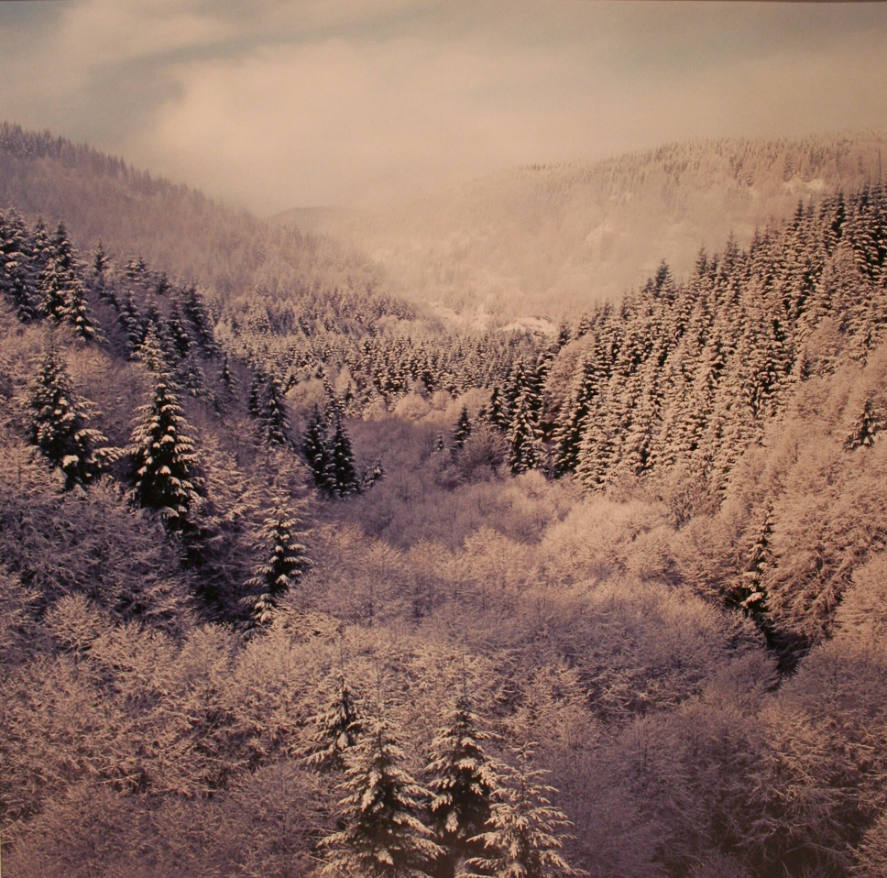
column 162, row 452
column 749, row 593
column 285, row 563
column 524, row 833
column 14, row 280
column 462, row 430
column 195, row 311
column 340, row 459
column 523, row 451
column 59, row 424
column 63, row 294
column 383, row 836
column 57, row 276
column 335, row 730
column 314, row 447
column 496, row 412
column 462, row 780
column 274, row 418
column 866, row 427
column 571, row 421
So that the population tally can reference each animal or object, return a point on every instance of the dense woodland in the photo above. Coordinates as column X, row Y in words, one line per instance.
column 301, row 583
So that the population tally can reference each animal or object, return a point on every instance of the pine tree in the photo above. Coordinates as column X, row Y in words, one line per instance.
column 163, row 457
column 195, row 311
column 572, row 419
column 866, row 427
column 63, row 295
column 497, row 414
column 463, row 780
column 274, row 418
column 340, row 458
column 383, row 836
column 285, row 564
column 335, row 730
column 14, row 274
column 522, row 434
column 314, row 447
column 749, row 593
column 462, row 430
column 59, row 424
column 54, row 281
column 523, row 837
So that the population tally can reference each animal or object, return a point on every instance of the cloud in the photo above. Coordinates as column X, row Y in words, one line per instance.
column 279, row 104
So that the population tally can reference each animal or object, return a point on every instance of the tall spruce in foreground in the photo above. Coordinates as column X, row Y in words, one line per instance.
column 335, row 731
column 163, row 457
column 59, row 424
column 524, row 834
column 285, row 564
column 383, row 836
column 463, row 782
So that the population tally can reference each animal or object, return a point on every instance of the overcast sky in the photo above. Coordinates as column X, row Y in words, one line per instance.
column 273, row 104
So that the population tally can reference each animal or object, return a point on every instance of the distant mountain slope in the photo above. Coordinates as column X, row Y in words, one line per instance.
column 553, row 239
column 175, row 228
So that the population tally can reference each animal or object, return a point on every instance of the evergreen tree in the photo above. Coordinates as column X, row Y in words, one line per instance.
column 383, row 836
column 274, row 418
column 226, row 375
column 63, row 295
column 285, row 564
column 523, row 453
column 335, row 730
column 59, row 424
column 341, row 473
column 267, row 406
column 749, row 593
column 497, row 413
column 866, row 427
column 314, row 447
column 195, row 311
column 523, row 837
column 54, row 282
column 462, row 782
column 462, row 430
column 14, row 274
column 162, row 452
column 572, row 419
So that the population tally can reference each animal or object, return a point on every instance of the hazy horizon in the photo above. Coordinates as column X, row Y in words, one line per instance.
column 332, row 104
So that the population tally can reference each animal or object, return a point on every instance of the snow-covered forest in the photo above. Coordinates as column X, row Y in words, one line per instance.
column 296, row 579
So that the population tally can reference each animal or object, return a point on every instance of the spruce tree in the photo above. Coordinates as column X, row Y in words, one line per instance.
column 335, row 730
column 63, row 295
column 749, row 593
column 14, row 274
column 59, row 424
column 285, row 563
column 383, row 836
column 314, row 447
column 524, row 833
column 522, row 434
column 462, row 430
column 341, row 473
column 162, row 452
column 866, row 427
column 462, row 782
column 572, row 419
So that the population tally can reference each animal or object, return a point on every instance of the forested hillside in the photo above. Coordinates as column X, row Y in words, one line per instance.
column 237, row 259
column 548, row 240
column 288, row 589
